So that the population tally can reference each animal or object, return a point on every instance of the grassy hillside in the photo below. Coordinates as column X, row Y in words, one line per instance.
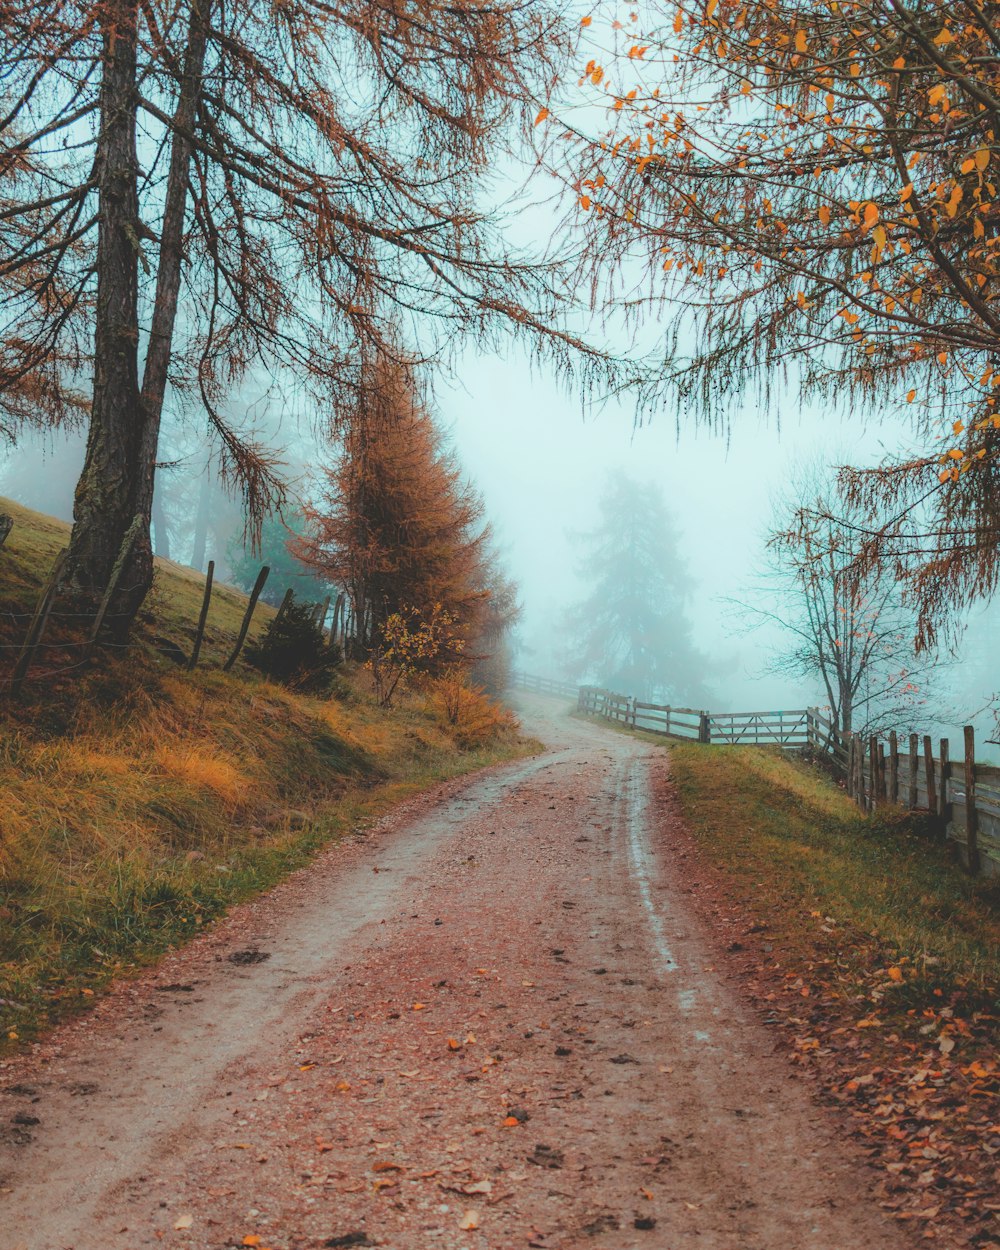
column 876, row 957
column 140, row 800
column 797, row 847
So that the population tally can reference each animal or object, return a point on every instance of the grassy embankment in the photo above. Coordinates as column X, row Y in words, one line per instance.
column 139, row 800
column 879, row 959
column 794, row 844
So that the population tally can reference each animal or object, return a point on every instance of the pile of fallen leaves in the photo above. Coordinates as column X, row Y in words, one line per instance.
column 909, row 1051
column 912, row 1060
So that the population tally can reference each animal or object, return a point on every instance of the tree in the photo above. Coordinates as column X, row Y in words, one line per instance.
column 278, row 536
column 397, row 526
column 853, row 634
column 630, row 632
column 815, row 187
column 188, row 191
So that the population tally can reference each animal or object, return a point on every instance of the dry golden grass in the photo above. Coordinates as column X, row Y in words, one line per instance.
column 140, row 800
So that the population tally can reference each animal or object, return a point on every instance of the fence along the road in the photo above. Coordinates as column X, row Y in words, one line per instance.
column 874, row 772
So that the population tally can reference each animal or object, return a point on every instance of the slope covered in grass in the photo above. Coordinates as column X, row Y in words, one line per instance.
column 140, row 800
column 876, row 957
column 795, row 843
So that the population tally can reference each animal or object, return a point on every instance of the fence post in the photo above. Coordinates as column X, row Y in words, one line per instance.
column 943, row 804
column 131, row 534
column 849, row 780
column 859, row 762
column 873, row 764
column 971, row 815
column 6, row 525
column 203, row 616
column 882, row 788
column 929, row 771
column 258, row 586
column 912, row 796
column 38, row 622
column 704, row 731
column 893, row 767
column 338, row 607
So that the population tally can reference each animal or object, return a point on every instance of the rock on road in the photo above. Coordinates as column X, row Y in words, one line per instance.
column 490, row 1023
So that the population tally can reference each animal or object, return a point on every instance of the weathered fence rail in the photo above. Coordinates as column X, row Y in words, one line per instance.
column 961, row 796
column 544, row 685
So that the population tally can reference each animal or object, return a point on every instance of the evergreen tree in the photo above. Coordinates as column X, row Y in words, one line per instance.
column 630, row 633
column 402, row 531
column 278, row 537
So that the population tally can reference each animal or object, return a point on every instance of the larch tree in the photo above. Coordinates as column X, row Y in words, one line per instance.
column 397, row 526
column 190, row 191
column 630, row 632
column 850, row 631
column 813, row 188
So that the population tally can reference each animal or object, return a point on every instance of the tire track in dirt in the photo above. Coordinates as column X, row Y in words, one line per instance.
column 499, row 1013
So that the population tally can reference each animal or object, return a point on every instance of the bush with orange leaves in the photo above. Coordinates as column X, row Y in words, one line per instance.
column 472, row 716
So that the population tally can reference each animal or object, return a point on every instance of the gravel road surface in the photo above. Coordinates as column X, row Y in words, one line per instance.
column 491, row 1022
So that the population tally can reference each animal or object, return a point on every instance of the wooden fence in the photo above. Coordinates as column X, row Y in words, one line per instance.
column 961, row 796
column 544, row 685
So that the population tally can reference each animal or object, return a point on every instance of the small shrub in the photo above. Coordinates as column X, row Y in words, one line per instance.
column 410, row 646
column 293, row 650
column 472, row 717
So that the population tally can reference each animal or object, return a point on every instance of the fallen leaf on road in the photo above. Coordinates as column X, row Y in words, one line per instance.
column 184, row 1221
column 415, row 1072
column 470, row 1220
column 251, row 1239
column 511, row 1121
column 419, row 1006
column 454, row 1044
column 388, row 1166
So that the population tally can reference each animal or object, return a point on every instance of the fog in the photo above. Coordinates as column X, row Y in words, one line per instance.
column 540, row 458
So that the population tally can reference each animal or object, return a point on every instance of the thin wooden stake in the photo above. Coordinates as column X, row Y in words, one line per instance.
column 38, row 622
column 893, row 767
column 131, row 534
column 912, row 798
column 929, row 772
column 200, row 632
column 873, row 762
column 6, row 525
column 258, row 586
column 338, row 608
column 943, row 804
column 971, row 815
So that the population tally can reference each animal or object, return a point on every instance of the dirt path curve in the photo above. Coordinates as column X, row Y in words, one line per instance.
column 491, row 1023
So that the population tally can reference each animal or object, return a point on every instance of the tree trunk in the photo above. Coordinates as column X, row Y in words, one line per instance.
column 201, row 520
column 161, row 530
column 106, row 494
column 168, row 274
column 118, row 477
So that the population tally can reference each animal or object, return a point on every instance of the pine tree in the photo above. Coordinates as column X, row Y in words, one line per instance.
column 397, row 526
column 630, row 633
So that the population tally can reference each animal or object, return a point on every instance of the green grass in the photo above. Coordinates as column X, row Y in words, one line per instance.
column 799, row 850
column 140, row 801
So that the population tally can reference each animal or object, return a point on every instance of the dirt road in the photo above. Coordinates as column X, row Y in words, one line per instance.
column 491, row 1023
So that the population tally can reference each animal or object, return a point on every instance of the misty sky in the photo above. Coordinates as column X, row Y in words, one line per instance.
column 540, row 467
